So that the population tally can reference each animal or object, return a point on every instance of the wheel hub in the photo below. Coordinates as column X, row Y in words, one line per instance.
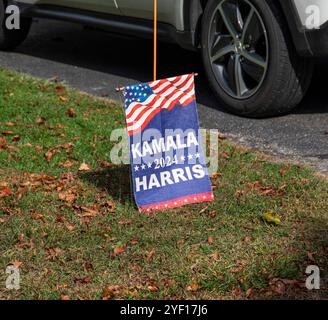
column 238, row 48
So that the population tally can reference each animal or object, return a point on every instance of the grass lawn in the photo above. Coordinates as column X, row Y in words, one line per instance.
column 77, row 234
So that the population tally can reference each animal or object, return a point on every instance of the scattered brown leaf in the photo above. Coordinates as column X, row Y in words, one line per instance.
column 69, row 163
column 210, row 240
column 48, row 155
column 212, row 214
column 53, row 253
column 310, row 256
column 17, row 264
column 16, row 138
column 3, row 142
column 110, row 291
column 216, row 175
column 60, row 89
column 193, row 287
column 37, row 216
column 215, row 256
column 71, row 113
column 84, row 167
column 41, row 120
column 68, row 196
column 249, row 293
column 248, row 239
column 89, row 212
column 150, row 254
column 63, row 99
column 120, row 249
column 83, row 280
column 7, row 132
column 153, row 288
column 5, row 192
column 125, row 222
column 39, row 148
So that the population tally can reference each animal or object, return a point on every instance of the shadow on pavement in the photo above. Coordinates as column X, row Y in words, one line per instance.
column 132, row 58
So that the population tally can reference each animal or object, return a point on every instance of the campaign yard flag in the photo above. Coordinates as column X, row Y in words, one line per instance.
column 167, row 161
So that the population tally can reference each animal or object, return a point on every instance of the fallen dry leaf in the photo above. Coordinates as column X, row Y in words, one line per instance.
column 89, row 213
column 68, row 163
column 15, row 138
column 237, row 269
column 3, row 143
column 63, row 99
column 48, row 155
column 212, row 214
column 36, row 216
column 7, row 132
column 224, row 155
column 67, row 196
column 53, row 253
column 4, row 184
column 71, row 113
column 16, row 264
column 210, row 240
column 110, row 291
column 249, row 293
column 153, row 288
column 215, row 256
column 41, row 120
column 70, row 227
column 5, row 192
column 83, row 280
column 193, row 287
column 12, row 148
column 125, row 222
column 310, row 256
column 150, row 254
column 248, row 239
column 84, row 167
column 263, row 191
column 216, row 175
column 105, row 164
column 268, row 217
column 65, row 297
column 120, row 249
column 60, row 89
column 204, row 209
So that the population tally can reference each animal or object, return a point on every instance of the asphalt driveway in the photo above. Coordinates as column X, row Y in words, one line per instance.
column 96, row 62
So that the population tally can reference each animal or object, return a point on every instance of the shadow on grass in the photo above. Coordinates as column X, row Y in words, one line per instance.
column 115, row 181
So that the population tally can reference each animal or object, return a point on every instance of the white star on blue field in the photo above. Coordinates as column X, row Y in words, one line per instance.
column 136, row 93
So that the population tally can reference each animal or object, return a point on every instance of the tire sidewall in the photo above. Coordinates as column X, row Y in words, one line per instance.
column 255, row 102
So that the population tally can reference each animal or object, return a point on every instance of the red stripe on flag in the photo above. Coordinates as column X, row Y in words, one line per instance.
column 179, row 202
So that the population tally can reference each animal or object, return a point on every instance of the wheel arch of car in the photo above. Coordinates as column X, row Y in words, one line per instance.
column 303, row 40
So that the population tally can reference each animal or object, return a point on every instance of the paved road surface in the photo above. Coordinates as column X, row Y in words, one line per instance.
column 96, row 62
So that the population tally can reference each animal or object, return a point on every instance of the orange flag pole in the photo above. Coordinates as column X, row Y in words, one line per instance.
column 155, row 41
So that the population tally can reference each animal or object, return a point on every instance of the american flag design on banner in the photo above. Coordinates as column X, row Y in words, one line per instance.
column 167, row 161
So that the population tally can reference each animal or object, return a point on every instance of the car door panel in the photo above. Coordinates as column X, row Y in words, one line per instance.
column 169, row 11
column 104, row 6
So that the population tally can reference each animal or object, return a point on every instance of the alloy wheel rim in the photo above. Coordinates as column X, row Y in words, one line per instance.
column 238, row 48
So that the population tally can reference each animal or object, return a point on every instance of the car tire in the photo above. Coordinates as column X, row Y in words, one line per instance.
column 274, row 79
column 9, row 39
